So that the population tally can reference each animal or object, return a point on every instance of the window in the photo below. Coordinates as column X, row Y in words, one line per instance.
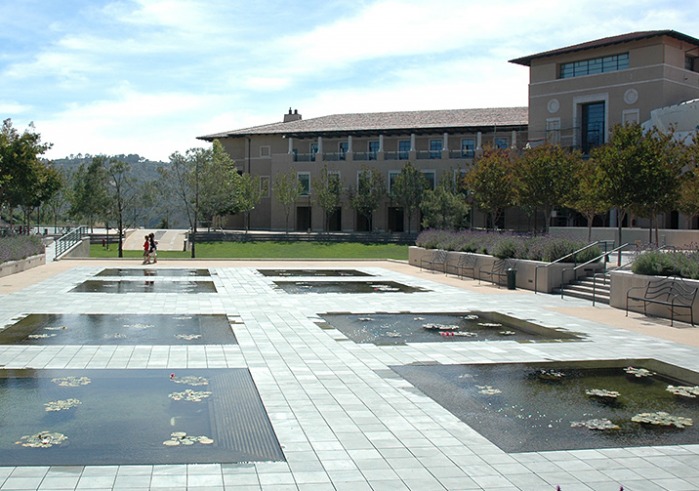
column 468, row 147
column 265, row 151
column 342, row 150
column 305, row 180
column 313, row 150
column 594, row 66
column 553, row 131
column 431, row 177
column 501, row 142
column 592, row 130
column 403, row 149
column 264, row 186
column 690, row 63
column 392, row 175
column 373, row 150
column 436, row 149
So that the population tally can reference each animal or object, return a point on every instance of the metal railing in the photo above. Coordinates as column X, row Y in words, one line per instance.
column 605, row 257
column 573, row 254
column 66, row 242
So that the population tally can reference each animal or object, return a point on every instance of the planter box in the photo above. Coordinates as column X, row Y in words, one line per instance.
column 622, row 281
column 548, row 276
column 12, row 267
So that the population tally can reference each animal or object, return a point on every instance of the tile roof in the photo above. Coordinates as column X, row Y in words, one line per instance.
column 387, row 122
column 608, row 41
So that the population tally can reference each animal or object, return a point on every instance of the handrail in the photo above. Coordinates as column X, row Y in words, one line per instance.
column 65, row 242
column 593, row 260
column 560, row 259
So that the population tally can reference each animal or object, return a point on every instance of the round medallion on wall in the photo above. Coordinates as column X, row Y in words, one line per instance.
column 631, row 96
column 553, row 106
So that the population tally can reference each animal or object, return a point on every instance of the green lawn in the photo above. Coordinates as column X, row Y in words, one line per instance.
column 272, row 250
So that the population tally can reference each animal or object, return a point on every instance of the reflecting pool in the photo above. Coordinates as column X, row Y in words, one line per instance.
column 128, row 329
column 400, row 328
column 119, row 417
column 564, row 406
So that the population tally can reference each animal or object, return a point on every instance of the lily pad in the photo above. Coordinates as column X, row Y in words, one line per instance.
column 190, row 395
column 662, row 418
column 62, row 405
column 43, row 439
column 71, row 381
column 600, row 424
column 684, row 390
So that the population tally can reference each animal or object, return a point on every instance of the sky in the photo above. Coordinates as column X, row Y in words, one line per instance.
column 149, row 76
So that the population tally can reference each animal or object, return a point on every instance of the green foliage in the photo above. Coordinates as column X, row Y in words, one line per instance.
column 371, row 189
column 491, row 183
column 408, row 189
column 327, row 193
column 543, row 178
column 18, row 247
column 506, row 248
column 662, row 263
column 443, row 208
column 504, row 245
column 286, row 189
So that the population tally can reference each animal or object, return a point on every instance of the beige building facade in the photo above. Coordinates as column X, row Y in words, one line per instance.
column 576, row 96
column 442, row 144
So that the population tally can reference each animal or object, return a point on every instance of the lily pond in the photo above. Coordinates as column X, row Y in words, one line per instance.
column 150, row 286
column 153, row 272
column 127, row 329
column 301, row 287
column 121, row 417
column 400, row 328
column 576, row 405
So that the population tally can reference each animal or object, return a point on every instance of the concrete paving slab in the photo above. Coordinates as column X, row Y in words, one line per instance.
column 342, row 422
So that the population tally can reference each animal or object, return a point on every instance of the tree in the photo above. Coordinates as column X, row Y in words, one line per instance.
column 218, row 183
column 641, row 170
column 327, row 193
column 543, row 178
column 444, row 207
column 248, row 196
column 688, row 199
column 588, row 196
column 287, row 189
column 407, row 190
column 664, row 158
column 88, row 197
column 371, row 189
column 490, row 183
column 123, row 196
column 25, row 181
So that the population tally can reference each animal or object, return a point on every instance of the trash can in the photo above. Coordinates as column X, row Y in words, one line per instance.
column 511, row 279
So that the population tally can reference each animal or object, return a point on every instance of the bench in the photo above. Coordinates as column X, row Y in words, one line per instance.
column 435, row 260
column 467, row 263
column 497, row 271
column 671, row 292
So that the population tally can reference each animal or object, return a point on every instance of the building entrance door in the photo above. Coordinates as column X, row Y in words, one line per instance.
column 303, row 218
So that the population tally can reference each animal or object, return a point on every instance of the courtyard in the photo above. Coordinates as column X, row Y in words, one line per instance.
column 341, row 416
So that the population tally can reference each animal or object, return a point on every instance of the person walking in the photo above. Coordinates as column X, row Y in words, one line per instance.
column 153, row 247
column 146, row 250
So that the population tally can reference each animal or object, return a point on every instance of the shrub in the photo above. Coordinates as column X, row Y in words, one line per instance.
column 659, row 263
column 506, row 245
column 18, row 247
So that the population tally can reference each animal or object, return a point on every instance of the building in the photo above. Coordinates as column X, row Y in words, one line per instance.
column 436, row 142
column 576, row 95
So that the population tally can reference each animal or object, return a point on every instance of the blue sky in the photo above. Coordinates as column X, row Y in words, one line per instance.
column 148, row 76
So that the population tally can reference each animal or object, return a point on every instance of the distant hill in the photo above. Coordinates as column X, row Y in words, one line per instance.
column 142, row 169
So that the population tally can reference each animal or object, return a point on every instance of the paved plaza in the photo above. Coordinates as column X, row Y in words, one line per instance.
column 342, row 420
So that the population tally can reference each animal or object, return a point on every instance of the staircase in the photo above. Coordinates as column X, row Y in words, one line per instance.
column 584, row 286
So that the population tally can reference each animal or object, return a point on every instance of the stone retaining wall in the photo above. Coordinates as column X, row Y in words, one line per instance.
column 12, row 267
column 548, row 276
